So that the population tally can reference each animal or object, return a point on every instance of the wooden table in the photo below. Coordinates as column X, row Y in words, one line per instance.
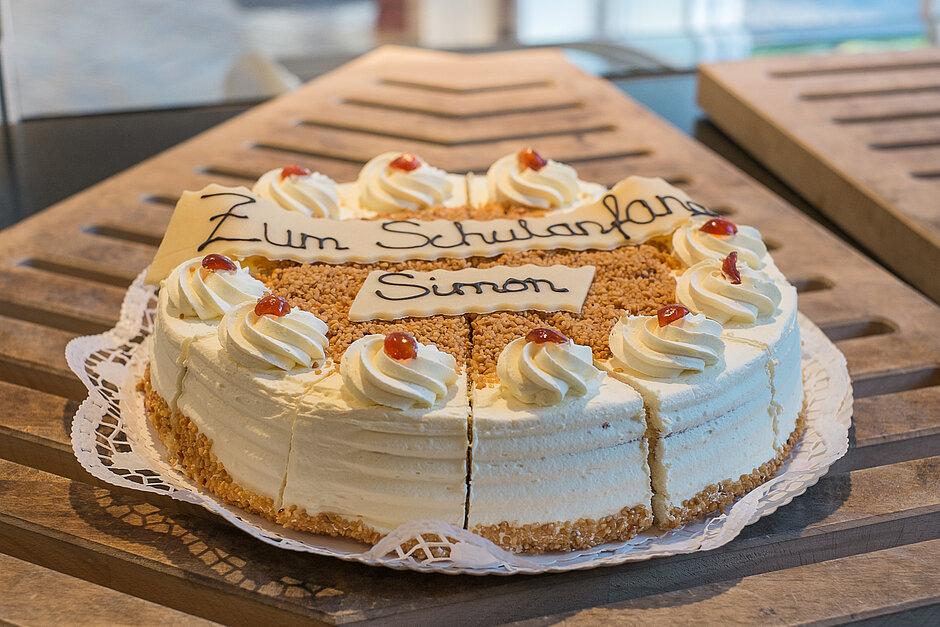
column 858, row 135
column 864, row 542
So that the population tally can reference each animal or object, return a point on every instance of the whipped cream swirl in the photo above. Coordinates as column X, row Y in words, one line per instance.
column 545, row 373
column 295, row 340
column 703, row 288
column 313, row 195
column 374, row 378
column 639, row 345
column 553, row 186
column 207, row 294
column 693, row 245
column 384, row 188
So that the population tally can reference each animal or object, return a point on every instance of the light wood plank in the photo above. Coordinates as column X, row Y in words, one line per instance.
column 34, row 595
column 881, row 584
column 877, row 183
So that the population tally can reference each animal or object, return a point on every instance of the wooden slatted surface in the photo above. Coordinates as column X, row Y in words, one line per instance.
column 859, row 136
column 880, row 501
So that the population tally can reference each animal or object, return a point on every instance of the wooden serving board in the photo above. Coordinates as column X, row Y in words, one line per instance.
column 858, row 136
column 872, row 520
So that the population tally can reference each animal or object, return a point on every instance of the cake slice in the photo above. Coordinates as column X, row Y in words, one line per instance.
column 361, row 468
column 241, row 391
column 708, row 405
column 573, row 475
column 558, row 450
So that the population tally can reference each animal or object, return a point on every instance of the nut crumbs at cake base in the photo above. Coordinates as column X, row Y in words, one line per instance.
column 566, row 535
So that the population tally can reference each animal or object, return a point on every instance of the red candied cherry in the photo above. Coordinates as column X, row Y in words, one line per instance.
column 719, row 226
column 528, row 158
column 729, row 267
column 671, row 313
column 400, row 345
column 215, row 262
column 545, row 334
column 406, row 163
column 272, row 305
column 294, row 170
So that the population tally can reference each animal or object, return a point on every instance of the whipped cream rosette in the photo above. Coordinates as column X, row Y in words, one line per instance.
column 374, row 377
column 393, row 182
column 708, row 238
column 641, row 345
column 546, row 372
column 526, row 179
column 298, row 189
column 705, row 288
column 294, row 340
column 195, row 291
column 192, row 300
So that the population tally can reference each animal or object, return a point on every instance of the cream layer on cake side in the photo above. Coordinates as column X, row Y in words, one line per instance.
column 169, row 347
column 541, row 477
column 247, row 415
column 707, row 416
column 381, row 465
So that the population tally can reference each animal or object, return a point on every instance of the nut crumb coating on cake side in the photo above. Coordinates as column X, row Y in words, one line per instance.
column 566, row 535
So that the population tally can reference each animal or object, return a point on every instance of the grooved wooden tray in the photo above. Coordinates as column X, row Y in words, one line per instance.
column 859, row 136
column 861, row 543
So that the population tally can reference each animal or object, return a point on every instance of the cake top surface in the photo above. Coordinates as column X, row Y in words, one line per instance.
column 471, row 269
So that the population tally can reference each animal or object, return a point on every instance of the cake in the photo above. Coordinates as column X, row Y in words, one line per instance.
column 548, row 363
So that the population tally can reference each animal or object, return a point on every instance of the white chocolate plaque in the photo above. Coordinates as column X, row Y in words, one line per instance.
column 235, row 222
column 387, row 295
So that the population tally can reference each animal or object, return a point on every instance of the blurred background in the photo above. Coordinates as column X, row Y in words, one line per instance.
column 67, row 57
column 91, row 87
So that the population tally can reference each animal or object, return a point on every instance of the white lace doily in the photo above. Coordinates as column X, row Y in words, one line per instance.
column 114, row 441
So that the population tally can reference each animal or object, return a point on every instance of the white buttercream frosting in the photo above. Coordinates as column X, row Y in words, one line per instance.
column 693, row 245
column 639, row 345
column 553, row 186
column 207, row 294
column 384, row 188
column 313, row 194
column 374, row 378
column 545, row 373
column 297, row 339
column 703, row 288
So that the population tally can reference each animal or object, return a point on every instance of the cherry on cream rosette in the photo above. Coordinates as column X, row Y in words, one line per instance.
column 664, row 346
column 394, row 182
column 270, row 334
column 207, row 287
column 298, row 189
column 529, row 180
column 709, row 238
column 728, row 292
column 397, row 371
column 545, row 367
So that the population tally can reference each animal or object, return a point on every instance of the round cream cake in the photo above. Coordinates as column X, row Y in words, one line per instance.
column 673, row 387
